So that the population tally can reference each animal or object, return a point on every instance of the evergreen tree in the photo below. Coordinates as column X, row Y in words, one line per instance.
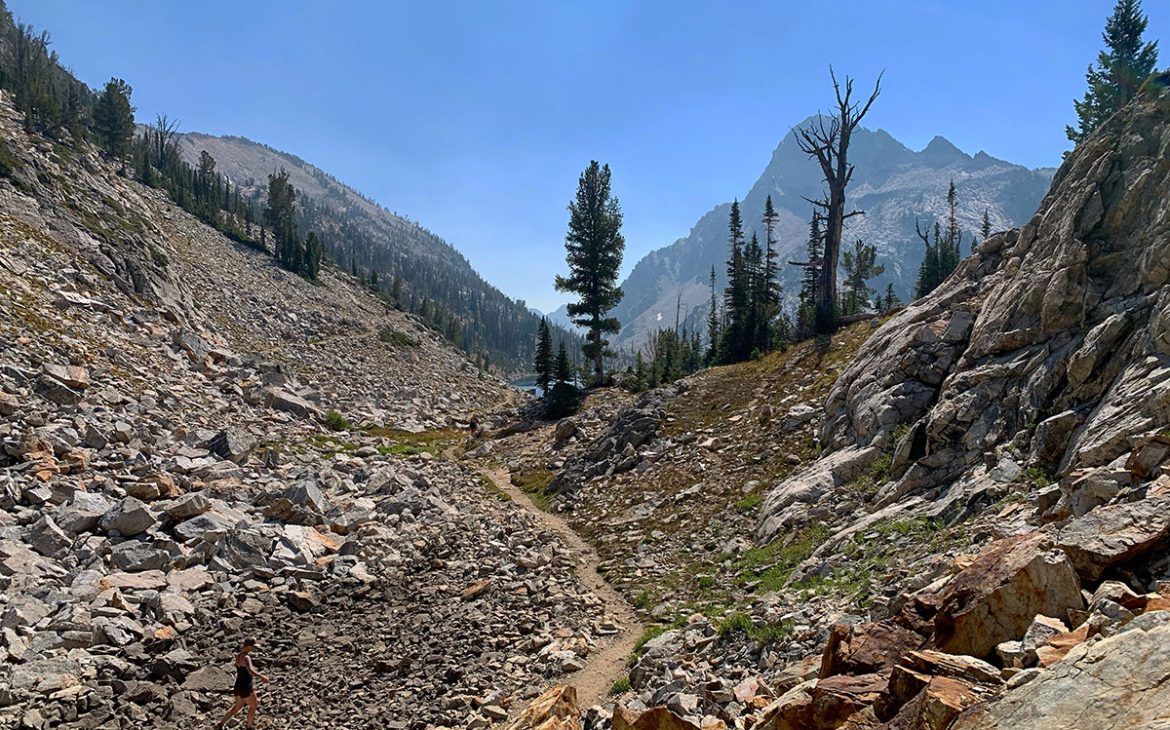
column 756, row 325
column 737, row 295
column 313, row 253
column 950, row 248
column 772, row 290
column 943, row 253
column 594, row 247
column 113, row 118
column 929, row 273
column 860, row 266
column 279, row 215
column 564, row 370
column 892, row 301
column 543, row 363
column 807, row 299
column 713, row 334
column 1120, row 70
column 986, row 228
column 640, row 382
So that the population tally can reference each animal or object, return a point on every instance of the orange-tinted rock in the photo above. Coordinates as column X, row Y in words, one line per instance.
column 827, row 704
column 995, row 598
column 556, row 709
column 866, row 648
column 658, row 718
column 1060, row 645
column 937, row 705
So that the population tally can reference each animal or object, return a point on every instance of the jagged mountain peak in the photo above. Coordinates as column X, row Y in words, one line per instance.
column 892, row 183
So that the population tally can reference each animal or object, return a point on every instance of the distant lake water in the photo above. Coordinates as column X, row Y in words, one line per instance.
column 528, row 385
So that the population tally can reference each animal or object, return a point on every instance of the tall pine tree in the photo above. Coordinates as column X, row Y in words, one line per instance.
column 1120, row 70
column 113, row 119
column 543, row 363
column 714, row 336
column 737, row 295
column 594, row 247
column 772, row 290
column 807, row 299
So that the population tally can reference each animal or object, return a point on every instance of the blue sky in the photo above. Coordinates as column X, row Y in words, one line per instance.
column 475, row 118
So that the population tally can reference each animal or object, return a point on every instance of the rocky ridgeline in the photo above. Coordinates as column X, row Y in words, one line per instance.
column 168, row 485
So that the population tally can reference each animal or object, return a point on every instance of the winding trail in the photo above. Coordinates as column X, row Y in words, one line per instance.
column 608, row 664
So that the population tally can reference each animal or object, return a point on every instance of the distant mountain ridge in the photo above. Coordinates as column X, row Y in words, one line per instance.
column 892, row 184
column 427, row 272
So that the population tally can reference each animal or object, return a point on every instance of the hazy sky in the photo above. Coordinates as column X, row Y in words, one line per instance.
column 475, row 118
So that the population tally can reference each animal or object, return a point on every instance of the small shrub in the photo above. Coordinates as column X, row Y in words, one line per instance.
column 334, row 421
column 9, row 162
column 563, row 400
column 1038, row 476
column 643, row 601
column 749, row 503
column 736, row 623
column 880, row 469
column 706, row 581
column 393, row 337
column 620, row 686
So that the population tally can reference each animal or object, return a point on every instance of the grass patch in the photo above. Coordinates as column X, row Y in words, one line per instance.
column 643, row 601
column 491, row 487
column 393, row 337
column 706, row 582
column 741, row 623
column 870, row 559
column 407, row 443
column 771, row 564
column 620, row 686
column 749, row 503
column 1038, row 476
column 334, row 421
column 533, row 483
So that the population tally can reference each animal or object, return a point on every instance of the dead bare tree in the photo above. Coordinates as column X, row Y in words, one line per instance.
column 165, row 130
column 828, row 141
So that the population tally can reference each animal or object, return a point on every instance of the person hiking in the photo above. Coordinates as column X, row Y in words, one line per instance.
column 244, row 689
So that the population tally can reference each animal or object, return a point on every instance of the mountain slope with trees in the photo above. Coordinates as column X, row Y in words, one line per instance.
column 399, row 258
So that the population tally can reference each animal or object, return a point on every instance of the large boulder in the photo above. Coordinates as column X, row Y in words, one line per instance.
column 128, row 517
column 301, row 503
column 997, row 596
column 657, row 718
column 282, row 400
column 866, row 648
column 83, row 512
column 824, row 704
column 1115, row 534
column 232, row 444
column 1118, row 683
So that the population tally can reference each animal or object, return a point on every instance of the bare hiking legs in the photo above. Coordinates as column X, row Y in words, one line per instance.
column 241, row 702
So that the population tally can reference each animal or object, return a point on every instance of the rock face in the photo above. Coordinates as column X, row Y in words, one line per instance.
column 1115, row 534
column 1115, row 684
column 1049, row 347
